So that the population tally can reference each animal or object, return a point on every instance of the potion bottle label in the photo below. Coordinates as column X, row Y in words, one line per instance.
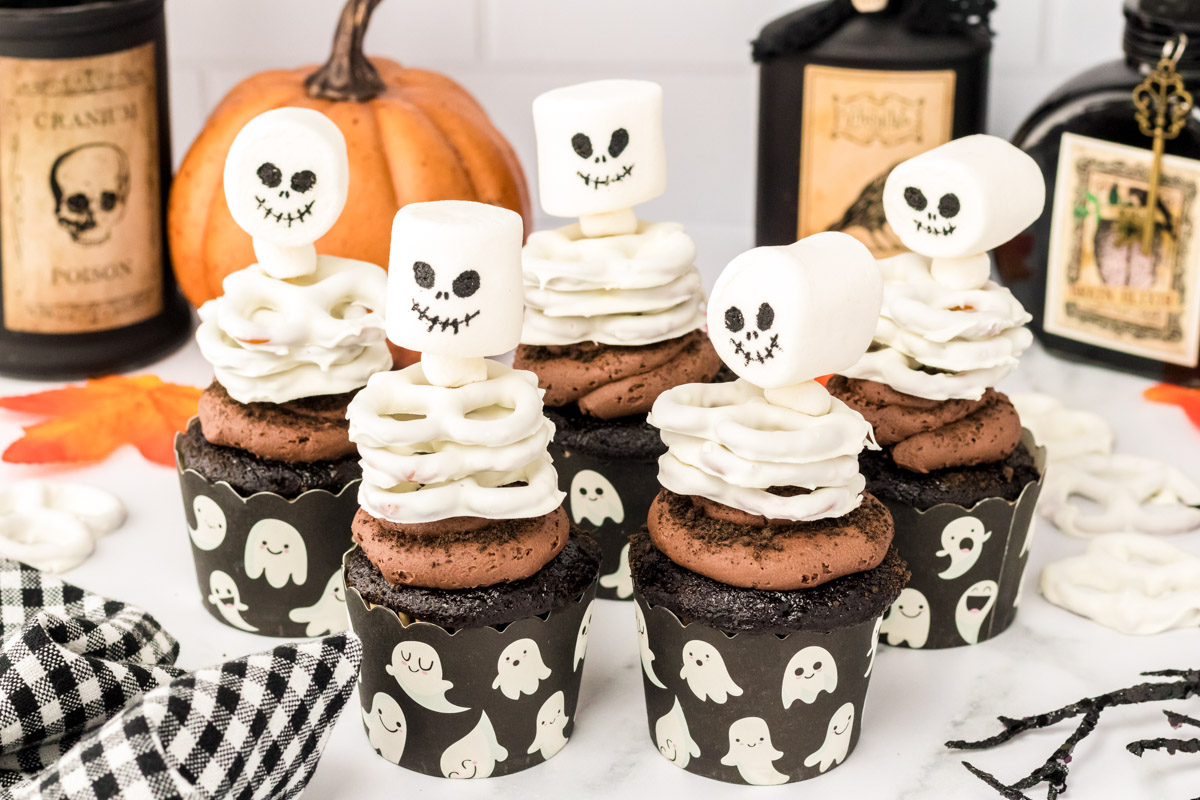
column 1103, row 287
column 80, row 203
column 857, row 124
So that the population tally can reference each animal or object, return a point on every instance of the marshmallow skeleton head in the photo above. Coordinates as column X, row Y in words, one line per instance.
column 446, row 258
column 600, row 147
column 287, row 176
column 780, row 316
column 963, row 198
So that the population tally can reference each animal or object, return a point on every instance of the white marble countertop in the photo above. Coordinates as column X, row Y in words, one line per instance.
column 917, row 700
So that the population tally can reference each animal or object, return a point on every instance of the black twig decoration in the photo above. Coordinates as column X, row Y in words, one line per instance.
column 1053, row 773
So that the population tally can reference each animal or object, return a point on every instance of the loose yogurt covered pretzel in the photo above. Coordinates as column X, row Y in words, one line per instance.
column 1129, row 582
column 1134, row 494
column 1065, row 432
column 53, row 525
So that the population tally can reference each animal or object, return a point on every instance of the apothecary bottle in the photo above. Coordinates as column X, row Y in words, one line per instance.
column 85, row 164
column 1096, row 291
column 847, row 90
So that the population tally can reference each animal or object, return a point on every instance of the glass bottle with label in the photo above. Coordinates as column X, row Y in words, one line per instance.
column 1097, row 291
column 85, row 163
column 847, row 90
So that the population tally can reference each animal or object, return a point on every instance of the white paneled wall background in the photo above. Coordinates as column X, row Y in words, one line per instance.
column 508, row 51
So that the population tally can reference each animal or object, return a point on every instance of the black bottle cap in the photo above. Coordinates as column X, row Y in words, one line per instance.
column 1150, row 24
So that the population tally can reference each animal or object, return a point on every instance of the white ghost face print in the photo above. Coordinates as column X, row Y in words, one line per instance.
column 962, row 542
column 964, row 197
column 907, row 621
column 224, row 595
column 476, row 754
column 674, row 740
column 286, row 176
column 620, row 581
column 594, row 499
column 808, row 673
column 417, row 667
column 647, row 655
column 837, row 739
column 581, row 638
column 210, row 523
column 972, row 609
column 520, row 669
column 780, row 316
column 328, row 614
column 276, row 549
column 551, row 727
column 455, row 286
column 705, row 672
column 600, row 147
column 387, row 729
column 751, row 751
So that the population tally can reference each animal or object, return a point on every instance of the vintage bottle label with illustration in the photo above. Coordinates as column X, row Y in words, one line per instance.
column 857, row 124
column 1102, row 286
column 80, row 209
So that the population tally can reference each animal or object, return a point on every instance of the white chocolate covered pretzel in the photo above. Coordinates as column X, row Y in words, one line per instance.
column 53, row 525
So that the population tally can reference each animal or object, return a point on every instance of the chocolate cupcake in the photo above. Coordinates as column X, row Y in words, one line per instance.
column 614, row 311
column 470, row 590
column 958, row 473
column 268, row 471
column 765, row 570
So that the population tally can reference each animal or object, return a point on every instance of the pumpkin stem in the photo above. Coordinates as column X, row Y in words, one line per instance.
column 348, row 74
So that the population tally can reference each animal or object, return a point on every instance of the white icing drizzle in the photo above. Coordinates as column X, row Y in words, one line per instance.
column 1129, row 582
column 939, row 342
column 274, row 340
column 430, row 452
column 630, row 289
column 727, row 443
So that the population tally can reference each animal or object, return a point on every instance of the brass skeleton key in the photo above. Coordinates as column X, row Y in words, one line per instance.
column 1163, row 105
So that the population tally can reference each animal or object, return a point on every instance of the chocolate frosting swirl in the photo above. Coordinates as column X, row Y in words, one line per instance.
column 609, row 381
column 306, row 430
column 926, row 435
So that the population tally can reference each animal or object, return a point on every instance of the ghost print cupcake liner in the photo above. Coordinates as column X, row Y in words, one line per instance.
column 758, row 709
column 967, row 567
column 266, row 564
column 610, row 500
column 474, row 702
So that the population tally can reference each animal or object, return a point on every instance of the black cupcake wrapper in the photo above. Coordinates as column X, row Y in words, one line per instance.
column 734, row 708
column 243, row 581
column 627, row 487
column 491, row 701
column 973, row 596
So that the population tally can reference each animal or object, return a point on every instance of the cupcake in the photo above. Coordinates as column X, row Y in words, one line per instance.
column 614, row 306
column 959, row 474
column 268, row 471
column 765, row 568
column 468, row 587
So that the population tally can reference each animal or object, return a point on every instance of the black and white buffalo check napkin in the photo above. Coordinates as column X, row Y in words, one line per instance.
column 92, row 706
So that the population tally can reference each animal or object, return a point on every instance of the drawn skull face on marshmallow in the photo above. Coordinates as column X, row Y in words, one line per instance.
column 779, row 316
column 287, row 176
column 963, row 198
column 600, row 147
column 454, row 286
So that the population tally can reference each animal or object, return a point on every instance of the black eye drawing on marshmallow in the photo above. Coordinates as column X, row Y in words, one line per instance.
column 765, row 317
column 948, row 206
column 423, row 274
column 466, row 284
column 303, row 181
column 915, row 198
column 270, row 175
column 618, row 142
column 734, row 320
column 582, row 145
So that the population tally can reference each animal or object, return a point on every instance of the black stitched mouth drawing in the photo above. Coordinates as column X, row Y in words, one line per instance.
column 923, row 227
column 438, row 321
column 290, row 217
column 596, row 183
column 756, row 355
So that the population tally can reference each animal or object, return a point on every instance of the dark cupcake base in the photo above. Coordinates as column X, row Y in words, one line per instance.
column 612, row 439
column 564, row 579
column 963, row 486
column 841, row 603
column 248, row 474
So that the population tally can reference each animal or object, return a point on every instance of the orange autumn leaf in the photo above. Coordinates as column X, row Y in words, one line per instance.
column 1187, row 399
column 89, row 422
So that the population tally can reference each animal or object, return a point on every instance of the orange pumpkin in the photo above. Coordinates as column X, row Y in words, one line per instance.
column 413, row 135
